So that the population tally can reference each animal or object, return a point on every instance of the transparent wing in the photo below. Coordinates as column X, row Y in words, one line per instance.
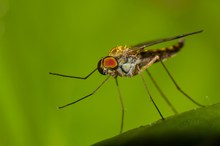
column 154, row 42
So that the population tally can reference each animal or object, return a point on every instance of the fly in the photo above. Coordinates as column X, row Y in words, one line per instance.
column 129, row 61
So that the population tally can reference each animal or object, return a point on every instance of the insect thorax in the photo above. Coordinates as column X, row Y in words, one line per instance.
column 127, row 61
column 127, row 66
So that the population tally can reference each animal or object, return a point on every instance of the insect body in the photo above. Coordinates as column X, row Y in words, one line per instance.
column 125, row 61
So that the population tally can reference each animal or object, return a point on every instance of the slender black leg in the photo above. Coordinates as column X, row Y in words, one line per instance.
column 161, row 92
column 122, row 106
column 151, row 98
column 86, row 95
column 178, row 88
column 83, row 78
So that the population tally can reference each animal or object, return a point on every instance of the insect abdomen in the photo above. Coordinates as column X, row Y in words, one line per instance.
column 167, row 52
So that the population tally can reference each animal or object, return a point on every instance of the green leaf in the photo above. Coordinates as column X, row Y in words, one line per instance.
column 196, row 127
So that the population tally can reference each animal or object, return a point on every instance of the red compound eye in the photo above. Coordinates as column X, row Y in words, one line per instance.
column 110, row 62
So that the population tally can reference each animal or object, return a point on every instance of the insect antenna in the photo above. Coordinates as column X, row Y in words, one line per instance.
column 122, row 106
column 83, row 78
column 161, row 92
column 177, row 86
column 151, row 98
column 85, row 96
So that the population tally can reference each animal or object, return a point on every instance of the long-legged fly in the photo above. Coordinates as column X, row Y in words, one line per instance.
column 128, row 61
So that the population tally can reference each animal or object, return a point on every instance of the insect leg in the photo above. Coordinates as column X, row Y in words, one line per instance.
column 122, row 105
column 151, row 98
column 86, row 95
column 156, row 58
column 57, row 74
column 161, row 92
column 178, row 88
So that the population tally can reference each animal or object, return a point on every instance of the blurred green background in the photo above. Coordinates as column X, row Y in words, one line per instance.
column 69, row 37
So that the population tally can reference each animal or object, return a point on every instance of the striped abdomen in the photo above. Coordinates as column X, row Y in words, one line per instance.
column 164, row 53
